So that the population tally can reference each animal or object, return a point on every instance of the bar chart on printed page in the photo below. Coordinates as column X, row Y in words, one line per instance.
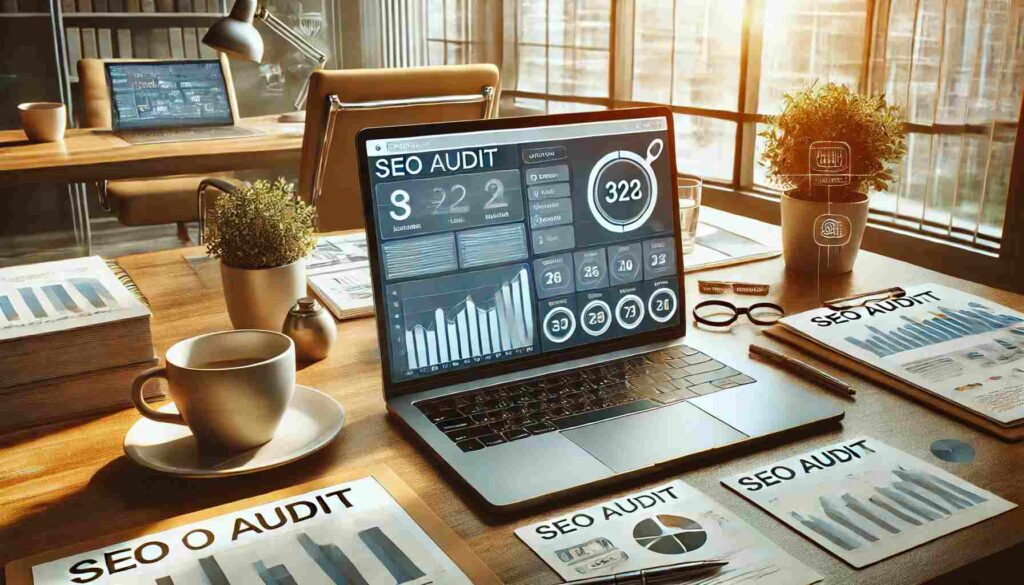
column 943, row 325
column 314, row 558
column 351, row 533
column 468, row 317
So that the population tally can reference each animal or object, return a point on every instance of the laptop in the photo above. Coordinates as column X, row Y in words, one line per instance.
column 154, row 102
column 528, row 281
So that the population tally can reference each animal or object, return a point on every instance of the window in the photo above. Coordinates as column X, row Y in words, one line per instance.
column 956, row 67
column 561, row 48
column 449, row 31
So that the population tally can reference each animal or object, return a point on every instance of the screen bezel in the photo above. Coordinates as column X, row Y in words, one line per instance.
column 225, row 76
column 398, row 388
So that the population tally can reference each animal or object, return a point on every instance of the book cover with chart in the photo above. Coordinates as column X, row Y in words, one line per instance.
column 865, row 501
column 358, row 528
column 78, row 309
column 55, row 296
column 954, row 345
column 664, row 525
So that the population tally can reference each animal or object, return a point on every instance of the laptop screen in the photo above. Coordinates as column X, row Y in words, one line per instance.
column 168, row 94
column 498, row 245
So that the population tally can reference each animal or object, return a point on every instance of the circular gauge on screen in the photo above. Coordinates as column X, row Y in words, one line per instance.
column 662, row 304
column 629, row 311
column 622, row 189
column 596, row 318
column 624, row 264
column 559, row 324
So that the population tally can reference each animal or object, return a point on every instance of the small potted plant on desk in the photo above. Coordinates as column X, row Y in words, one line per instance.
column 829, row 146
column 261, row 233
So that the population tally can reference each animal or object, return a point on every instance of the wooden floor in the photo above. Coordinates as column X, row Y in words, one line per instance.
column 110, row 239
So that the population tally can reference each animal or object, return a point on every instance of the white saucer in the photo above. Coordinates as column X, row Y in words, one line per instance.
column 313, row 419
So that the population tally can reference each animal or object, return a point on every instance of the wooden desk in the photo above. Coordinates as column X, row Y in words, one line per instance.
column 65, row 484
column 92, row 155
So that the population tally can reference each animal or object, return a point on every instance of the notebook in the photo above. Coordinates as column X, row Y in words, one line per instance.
column 964, row 352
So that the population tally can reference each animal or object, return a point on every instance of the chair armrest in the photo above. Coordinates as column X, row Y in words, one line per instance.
column 219, row 184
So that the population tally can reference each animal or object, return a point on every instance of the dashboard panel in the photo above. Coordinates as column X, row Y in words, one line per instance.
column 499, row 245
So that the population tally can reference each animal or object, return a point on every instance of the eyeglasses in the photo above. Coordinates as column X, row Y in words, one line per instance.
column 862, row 299
column 724, row 313
column 714, row 287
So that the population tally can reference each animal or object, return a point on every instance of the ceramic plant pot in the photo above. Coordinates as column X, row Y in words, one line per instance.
column 261, row 298
column 823, row 238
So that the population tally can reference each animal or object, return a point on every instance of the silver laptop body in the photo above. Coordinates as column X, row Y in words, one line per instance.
column 528, row 285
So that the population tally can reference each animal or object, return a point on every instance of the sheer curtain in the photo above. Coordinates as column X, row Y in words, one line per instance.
column 957, row 69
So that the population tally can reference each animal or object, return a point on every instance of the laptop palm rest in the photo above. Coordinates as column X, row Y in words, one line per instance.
column 648, row 438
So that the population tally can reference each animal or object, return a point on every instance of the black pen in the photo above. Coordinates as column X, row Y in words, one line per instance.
column 803, row 370
column 658, row 575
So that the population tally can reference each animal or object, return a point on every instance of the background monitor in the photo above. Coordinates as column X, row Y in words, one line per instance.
column 168, row 94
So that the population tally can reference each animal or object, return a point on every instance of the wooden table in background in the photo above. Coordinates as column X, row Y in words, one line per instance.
column 67, row 483
column 92, row 154
column 88, row 155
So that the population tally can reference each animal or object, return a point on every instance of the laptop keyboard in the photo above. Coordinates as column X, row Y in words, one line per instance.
column 483, row 418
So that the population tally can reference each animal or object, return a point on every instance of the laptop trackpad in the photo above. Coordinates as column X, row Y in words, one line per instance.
column 647, row 438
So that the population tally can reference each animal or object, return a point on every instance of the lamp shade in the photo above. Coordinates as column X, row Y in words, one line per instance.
column 236, row 35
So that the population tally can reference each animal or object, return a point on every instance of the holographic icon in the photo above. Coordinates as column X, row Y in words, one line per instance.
column 829, row 166
column 829, row 163
column 832, row 230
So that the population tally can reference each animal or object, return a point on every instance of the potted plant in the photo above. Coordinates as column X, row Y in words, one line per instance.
column 855, row 141
column 261, row 233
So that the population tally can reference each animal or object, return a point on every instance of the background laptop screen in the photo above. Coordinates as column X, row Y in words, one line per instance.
column 508, row 243
column 168, row 94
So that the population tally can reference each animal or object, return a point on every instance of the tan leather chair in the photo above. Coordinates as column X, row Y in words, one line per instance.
column 343, row 102
column 378, row 97
column 138, row 202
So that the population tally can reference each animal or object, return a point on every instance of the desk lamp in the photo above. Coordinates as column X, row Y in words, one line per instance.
column 236, row 36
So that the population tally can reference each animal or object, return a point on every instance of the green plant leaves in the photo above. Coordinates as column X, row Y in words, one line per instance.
column 872, row 128
column 261, row 225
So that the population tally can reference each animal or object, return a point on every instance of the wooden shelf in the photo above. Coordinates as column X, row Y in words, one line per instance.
column 134, row 15
column 23, row 14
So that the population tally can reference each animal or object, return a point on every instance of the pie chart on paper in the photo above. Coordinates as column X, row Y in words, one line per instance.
column 669, row 535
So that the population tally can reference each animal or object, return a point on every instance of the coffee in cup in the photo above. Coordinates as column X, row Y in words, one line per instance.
column 231, row 388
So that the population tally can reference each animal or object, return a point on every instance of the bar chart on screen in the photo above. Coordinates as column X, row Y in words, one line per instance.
column 463, row 318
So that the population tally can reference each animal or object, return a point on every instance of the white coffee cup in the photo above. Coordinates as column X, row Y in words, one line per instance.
column 43, row 121
column 232, row 388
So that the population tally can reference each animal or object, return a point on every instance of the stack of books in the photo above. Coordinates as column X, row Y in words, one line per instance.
column 73, row 335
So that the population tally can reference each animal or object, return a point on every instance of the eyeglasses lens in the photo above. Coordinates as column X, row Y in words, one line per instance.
column 765, row 315
column 715, row 314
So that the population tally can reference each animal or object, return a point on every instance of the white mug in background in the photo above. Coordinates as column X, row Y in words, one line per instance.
column 43, row 121
column 232, row 388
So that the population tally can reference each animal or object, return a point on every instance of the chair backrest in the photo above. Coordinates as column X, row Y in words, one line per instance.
column 96, row 94
column 365, row 98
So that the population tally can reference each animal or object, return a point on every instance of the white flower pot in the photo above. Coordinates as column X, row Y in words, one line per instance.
column 809, row 244
column 260, row 299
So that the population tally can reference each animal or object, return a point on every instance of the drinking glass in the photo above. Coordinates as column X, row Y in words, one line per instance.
column 689, row 209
